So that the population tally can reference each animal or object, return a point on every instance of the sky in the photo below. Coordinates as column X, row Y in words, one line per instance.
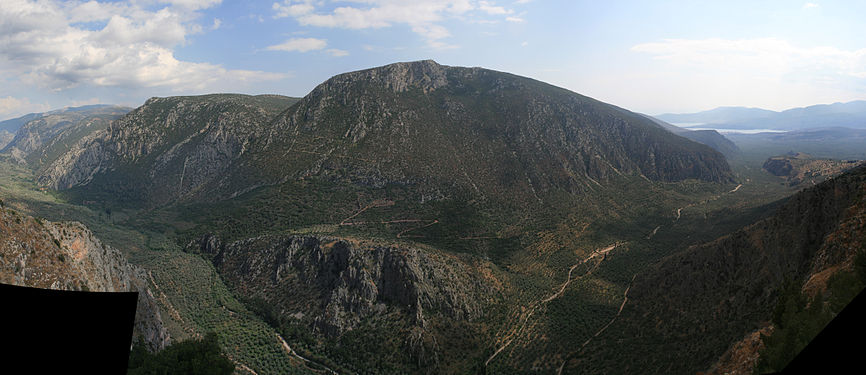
column 647, row 56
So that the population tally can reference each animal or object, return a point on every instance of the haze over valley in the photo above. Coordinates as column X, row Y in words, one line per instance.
column 439, row 186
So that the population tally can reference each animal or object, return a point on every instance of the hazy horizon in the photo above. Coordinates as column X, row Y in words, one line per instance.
column 672, row 57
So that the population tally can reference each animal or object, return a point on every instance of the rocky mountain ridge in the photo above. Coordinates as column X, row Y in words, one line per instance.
column 714, row 294
column 710, row 138
column 154, row 146
column 67, row 256
column 851, row 115
column 334, row 284
column 44, row 136
column 419, row 123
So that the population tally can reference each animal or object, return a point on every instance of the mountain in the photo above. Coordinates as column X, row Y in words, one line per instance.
column 833, row 143
column 148, row 152
column 44, row 136
column 710, row 138
column 67, row 256
column 5, row 138
column 726, row 294
column 721, row 115
column 438, row 129
column 796, row 168
column 395, row 219
column 847, row 115
column 12, row 125
column 410, row 298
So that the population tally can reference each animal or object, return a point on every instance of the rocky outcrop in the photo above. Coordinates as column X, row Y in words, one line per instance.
column 497, row 134
column 333, row 284
column 778, row 166
column 67, row 256
column 709, row 137
column 438, row 128
column 167, row 149
column 5, row 138
column 742, row 357
column 44, row 136
column 796, row 168
column 713, row 294
column 350, row 280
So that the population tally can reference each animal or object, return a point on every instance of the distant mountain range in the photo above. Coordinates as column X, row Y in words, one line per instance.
column 708, row 137
column 38, row 138
column 421, row 218
column 848, row 115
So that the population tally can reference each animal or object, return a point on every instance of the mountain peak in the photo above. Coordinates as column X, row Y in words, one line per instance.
column 426, row 75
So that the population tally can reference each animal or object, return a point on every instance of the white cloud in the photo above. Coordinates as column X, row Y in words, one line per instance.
column 767, row 72
column 292, row 8
column 192, row 4
column 515, row 19
column 79, row 103
column 490, row 8
column 300, row 45
column 423, row 17
column 757, row 57
column 306, row 45
column 44, row 45
column 810, row 5
column 337, row 52
column 11, row 107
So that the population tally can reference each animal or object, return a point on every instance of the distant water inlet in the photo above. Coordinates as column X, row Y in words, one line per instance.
column 705, row 126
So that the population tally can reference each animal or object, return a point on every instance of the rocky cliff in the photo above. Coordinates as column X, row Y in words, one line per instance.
column 710, row 138
column 423, row 124
column 167, row 149
column 693, row 305
column 485, row 130
column 5, row 138
column 44, row 136
column 798, row 168
column 66, row 256
column 333, row 284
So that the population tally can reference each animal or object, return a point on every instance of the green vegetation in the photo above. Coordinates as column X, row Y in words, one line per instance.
column 185, row 283
column 504, row 169
column 190, row 357
column 798, row 318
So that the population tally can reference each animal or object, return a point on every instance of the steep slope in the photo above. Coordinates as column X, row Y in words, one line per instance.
column 67, row 256
column 797, row 168
column 710, row 138
column 45, row 136
column 696, row 304
column 12, row 125
column 441, row 129
column 480, row 129
column 5, row 138
column 145, row 155
column 401, row 295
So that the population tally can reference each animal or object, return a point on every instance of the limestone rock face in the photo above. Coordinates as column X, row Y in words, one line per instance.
column 333, row 284
column 67, row 256
column 440, row 129
column 5, row 138
column 43, row 137
column 167, row 149
column 712, row 294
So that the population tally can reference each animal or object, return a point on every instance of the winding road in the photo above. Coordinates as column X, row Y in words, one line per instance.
column 532, row 307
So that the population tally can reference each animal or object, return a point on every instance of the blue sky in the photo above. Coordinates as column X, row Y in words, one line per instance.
column 647, row 56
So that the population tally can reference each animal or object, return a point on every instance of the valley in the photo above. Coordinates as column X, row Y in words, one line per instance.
column 422, row 218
